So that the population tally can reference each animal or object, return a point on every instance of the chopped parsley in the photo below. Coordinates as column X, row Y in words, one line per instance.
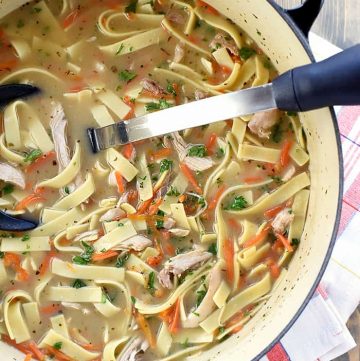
column 200, row 296
column 291, row 114
column 121, row 261
column 78, row 284
column 8, row 189
column 33, row 155
column 20, row 23
column 220, row 153
column 201, row 201
column 276, row 134
column 2, row 254
column 36, row 10
column 86, row 256
column 133, row 300
column 276, row 179
column 127, row 75
column 185, row 344
column 121, row 47
column 221, row 329
column 197, row 151
column 151, row 282
column 57, row 345
column 25, row 238
column 170, row 89
column 295, row 242
column 67, row 190
column 165, row 165
column 160, row 223
column 173, row 192
column 238, row 203
column 246, row 53
column 162, row 104
column 131, row 8
column 213, row 249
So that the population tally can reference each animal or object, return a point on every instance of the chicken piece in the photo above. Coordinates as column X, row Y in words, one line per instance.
column 261, row 123
column 152, row 86
column 112, row 215
column 169, row 223
column 288, row 173
column 58, row 126
column 179, row 52
column 13, row 175
column 207, row 305
column 282, row 220
column 179, row 232
column 175, row 266
column 200, row 94
column 220, row 40
column 87, row 236
column 176, row 16
column 134, row 349
column 138, row 243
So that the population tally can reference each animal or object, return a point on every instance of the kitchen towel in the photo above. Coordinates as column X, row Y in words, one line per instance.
column 320, row 333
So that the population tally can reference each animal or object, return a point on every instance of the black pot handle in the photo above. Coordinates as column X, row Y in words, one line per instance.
column 305, row 15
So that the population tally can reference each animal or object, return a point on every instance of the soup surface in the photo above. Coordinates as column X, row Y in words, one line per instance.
column 157, row 249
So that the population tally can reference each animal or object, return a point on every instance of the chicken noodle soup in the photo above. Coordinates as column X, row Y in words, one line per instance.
column 157, row 249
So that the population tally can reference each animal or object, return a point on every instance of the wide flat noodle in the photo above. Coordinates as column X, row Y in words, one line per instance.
column 33, row 244
column 88, row 294
column 121, row 164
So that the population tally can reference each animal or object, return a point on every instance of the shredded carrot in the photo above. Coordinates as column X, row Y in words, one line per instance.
column 229, row 123
column 59, row 356
column 177, row 93
column 277, row 245
column 226, row 69
column 166, row 314
column 35, row 197
column 285, row 153
column 145, row 327
column 251, row 180
column 154, row 207
column 190, row 176
column 119, row 182
column 77, row 87
column 36, row 351
column 233, row 223
column 274, row 268
column 46, row 262
column 8, row 65
column 149, row 94
column 213, row 203
column 168, row 248
column 154, row 261
column 258, row 238
column 160, row 154
column 285, row 242
column 234, row 320
column 70, row 19
column 175, row 318
column 211, row 143
column 128, row 150
column 133, row 195
column 129, row 102
column 207, row 8
column 22, row 275
column 40, row 161
column 194, row 39
column 51, row 309
column 228, row 250
column 144, row 206
column 22, row 347
column 13, row 260
column 28, row 357
column 272, row 212
column 90, row 347
column 182, row 198
column 104, row 255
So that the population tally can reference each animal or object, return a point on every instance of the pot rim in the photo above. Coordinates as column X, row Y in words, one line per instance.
column 305, row 43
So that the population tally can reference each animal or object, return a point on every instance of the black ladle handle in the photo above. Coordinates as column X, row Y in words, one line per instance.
column 335, row 81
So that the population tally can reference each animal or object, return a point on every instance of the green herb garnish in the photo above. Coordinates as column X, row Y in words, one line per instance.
column 246, row 53
column 197, row 151
column 295, row 242
column 57, row 345
column 292, row 114
column 2, row 254
column 127, row 75
column 121, row 261
column 185, row 344
column 20, row 23
column 133, row 300
column 121, row 47
column 86, row 256
column 213, row 249
column 173, row 192
column 36, row 10
column 78, row 284
column 67, row 190
column 170, row 89
column 238, row 203
column 33, row 155
column 160, row 223
column 131, row 8
column 8, row 189
column 25, row 238
column 276, row 134
column 220, row 153
column 200, row 296
column 165, row 165
column 162, row 104
column 151, row 282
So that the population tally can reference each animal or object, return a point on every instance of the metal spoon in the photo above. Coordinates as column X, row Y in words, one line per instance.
column 9, row 93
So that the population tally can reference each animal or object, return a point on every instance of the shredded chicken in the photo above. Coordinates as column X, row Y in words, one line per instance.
column 10, row 174
column 261, row 123
column 179, row 232
column 169, row 223
column 222, row 41
column 112, row 215
column 194, row 163
column 288, row 173
column 87, row 236
column 58, row 126
column 137, row 243
column 175, row 266
column 176, row 16
column 282, row 221
column 200, row 94
column 152, row 86
column 207, row 305
column 179, row 52
column 134, row 349
column 112, row 179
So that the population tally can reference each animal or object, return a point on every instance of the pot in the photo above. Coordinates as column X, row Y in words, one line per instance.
column 282, row 36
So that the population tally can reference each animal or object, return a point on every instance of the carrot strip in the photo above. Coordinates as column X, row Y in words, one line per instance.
column 194, row 39
column 213, row 203
column 129, row 102
column 103, row 256
column 8, row 65
column 30, row 199
column 272, row 212
column 22, row 347
column 59, row 356
column 277, row 245
column 177, row 92
column 274, row 268
column 154, row 261
column 128, row 150
column 182, row 198
column 13, row 260
column 229, row 251
column 258, row 238
column 153, row 209
column 233, row 223
column 285, row 242
column 35, row 350
column 51, row 309
column 175, row 320
column 207, row 8
column 119, row 182
column 40, row 161
column 169, row 249
column 250, row 180
column 145, row 327
column 28, row 357
column 46, row 262
column 211, row 143
column 90, row 347
column 70, row 19
column 144, row 206
column 190, row 176
column 285, row 153
column 162, row 153
column 22, row 275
